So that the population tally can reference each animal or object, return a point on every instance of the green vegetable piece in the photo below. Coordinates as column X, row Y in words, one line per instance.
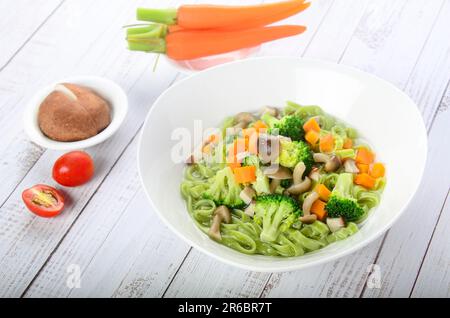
column 273, row 210
column 224, row 189
column 294, row 152
column 342, row 202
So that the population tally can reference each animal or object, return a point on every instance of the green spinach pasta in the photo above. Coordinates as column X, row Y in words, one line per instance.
column 282, row 182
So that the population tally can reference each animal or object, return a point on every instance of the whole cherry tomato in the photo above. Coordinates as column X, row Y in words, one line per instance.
column 43, row 200
column 73, row 169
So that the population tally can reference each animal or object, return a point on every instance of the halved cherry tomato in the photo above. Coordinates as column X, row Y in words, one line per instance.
column 43, row 201
column 73, row 169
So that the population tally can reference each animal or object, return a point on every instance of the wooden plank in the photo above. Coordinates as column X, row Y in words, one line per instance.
column 434, row 277
column 27, row 241
column 407, row 242
column 371, row 48
column 19, row 20
column 202, row 276
column 236, row 282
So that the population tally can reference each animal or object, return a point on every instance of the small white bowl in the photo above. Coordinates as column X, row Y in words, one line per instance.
column 383, row 114
column 106, row 88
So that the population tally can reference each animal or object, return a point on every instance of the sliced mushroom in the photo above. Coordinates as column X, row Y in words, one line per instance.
column 278, row 173
column 272, row 111
column 333, row 164
column 301, row 187
column 190, row 161
column 299, row 170
column 274, row 184
column 221, row 214
column 268, row 148
column 250, row 210
column 244, row 117
column 240, row 125
column 308, row 219
column 309, row 200
column 350, row 166
column 314, row 174
column 247, row 195
column 321, row 157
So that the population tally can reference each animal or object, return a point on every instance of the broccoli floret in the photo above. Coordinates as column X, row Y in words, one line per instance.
column 292, row 152
column 224, row 190
column 262, row 184
column 289, row 126
column 274, row 210
column 251, row 160
column 341, row 202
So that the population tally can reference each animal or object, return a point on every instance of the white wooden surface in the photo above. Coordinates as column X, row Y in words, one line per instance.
column 109, row 230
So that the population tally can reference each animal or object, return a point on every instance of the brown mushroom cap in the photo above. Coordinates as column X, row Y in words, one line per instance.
column 308, row 219
column 62, row 119
column 221, row 214
column 96, row 106
column 333, row 164
column 301, row 187
column 278, row 173
column 272, row 111
column 308, row 202
column 73, row 113
column 244, row 118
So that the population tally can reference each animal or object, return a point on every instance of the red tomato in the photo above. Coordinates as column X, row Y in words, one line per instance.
column 73, row 169
column 43, row 201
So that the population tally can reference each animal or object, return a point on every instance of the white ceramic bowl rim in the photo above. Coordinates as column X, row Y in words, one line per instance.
column 326, row 258
column 106, row 88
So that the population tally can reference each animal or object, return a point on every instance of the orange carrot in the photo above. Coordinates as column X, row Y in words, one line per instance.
column 312, row 137
column 245, row 174
column 260, row 126
column 365, row 180
column 175, row 28
column 378, row 170
column 215, row 138
column 363, row 168
column 318, row 208
column 311, row 125
column 204, row 16
column 326, row 143
column 323, row 192
column 187, row 45
column 348, row 143
column 206, row 149
column 365, row 156
column 269, row 20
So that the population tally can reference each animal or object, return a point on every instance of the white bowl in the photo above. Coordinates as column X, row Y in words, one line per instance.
column 382, row 113
column 106, row 88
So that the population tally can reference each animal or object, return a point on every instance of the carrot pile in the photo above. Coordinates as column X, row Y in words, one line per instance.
column 195, row 31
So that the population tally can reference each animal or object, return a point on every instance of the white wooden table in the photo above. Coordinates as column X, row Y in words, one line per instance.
column 110, row 234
